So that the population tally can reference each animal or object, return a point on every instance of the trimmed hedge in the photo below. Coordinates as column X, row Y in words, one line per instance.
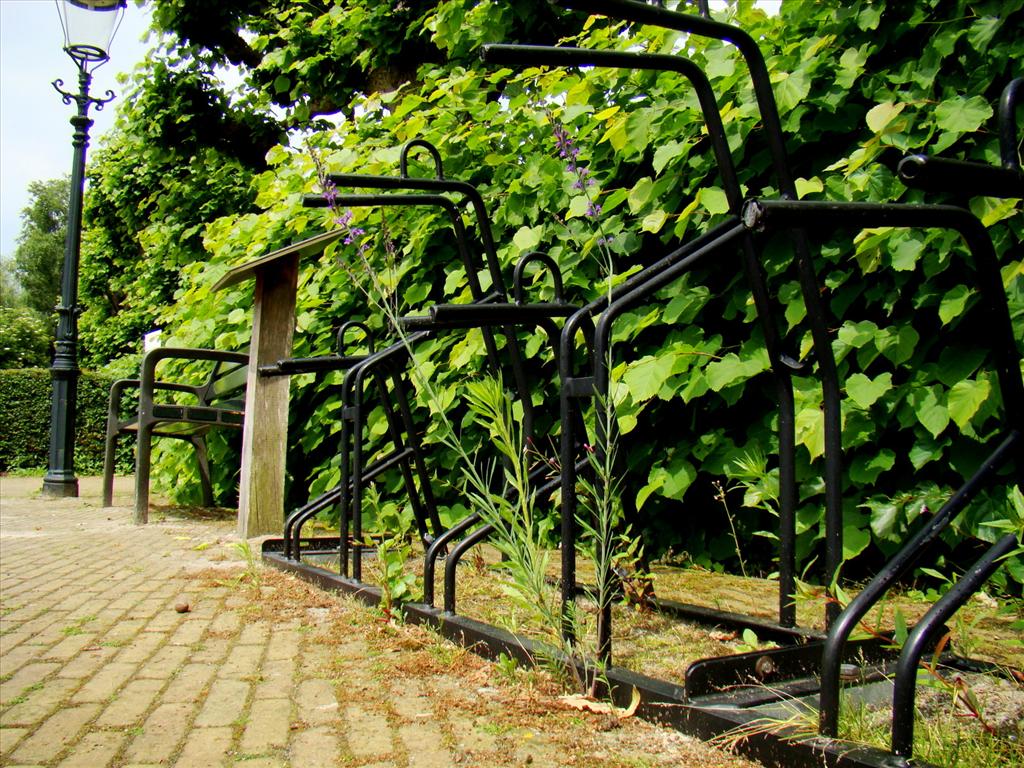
column 25, row 413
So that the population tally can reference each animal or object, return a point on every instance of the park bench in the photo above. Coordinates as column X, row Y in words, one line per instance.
column 217, row 402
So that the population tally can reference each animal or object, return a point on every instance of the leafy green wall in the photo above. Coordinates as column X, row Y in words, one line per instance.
column 858, row 86
column 25, row 415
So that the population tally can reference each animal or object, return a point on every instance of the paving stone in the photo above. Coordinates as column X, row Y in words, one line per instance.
column 205, row 748
column 242, row 661
column 86, row 663
column 267, row 726
column 164, row 662
column 131, row 704
column 139, row 648
column 96, row 749
column 254, row 634
column 50, row 738
column 315, row 748
column 425, row 746
column 275, row 679
column 368, row 733
column 189, row 683
column 227, row 624
column 161, row 733
column 189, row 631
column 284, row 644
column 25, row 678
column 224, row 704
column 9, row 738
column 70, row 647
column 317, row 702
column 211, row 650
column 104, row 683
column 41, row 702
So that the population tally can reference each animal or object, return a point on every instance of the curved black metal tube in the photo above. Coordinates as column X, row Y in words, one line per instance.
column 758, row 214
column 965, row 178
column 520, row 272
column 303, row 513
column 437, row 547
column 359, row 326
column 548, row 56
column 453, row 561
column 921, row 637
column 472, row 194
column 1012, row 96
column 832, row 215
column 809, row 286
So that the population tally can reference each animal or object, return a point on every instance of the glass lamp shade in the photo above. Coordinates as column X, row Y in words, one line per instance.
column 89, row 27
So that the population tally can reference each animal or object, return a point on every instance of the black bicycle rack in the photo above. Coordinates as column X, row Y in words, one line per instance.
column 718, row 695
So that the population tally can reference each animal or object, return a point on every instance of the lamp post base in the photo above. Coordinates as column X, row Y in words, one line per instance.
column 60, row 485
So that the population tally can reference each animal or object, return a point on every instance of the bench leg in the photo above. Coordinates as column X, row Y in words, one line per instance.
column 109, row 452
column 204, row 470
column 142, row 463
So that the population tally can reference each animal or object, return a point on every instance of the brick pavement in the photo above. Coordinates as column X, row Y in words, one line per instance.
column 98, row 669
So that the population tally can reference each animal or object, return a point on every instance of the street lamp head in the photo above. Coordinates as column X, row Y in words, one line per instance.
column 89, row 27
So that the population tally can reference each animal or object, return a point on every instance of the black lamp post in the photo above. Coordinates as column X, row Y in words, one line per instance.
column 89, row 27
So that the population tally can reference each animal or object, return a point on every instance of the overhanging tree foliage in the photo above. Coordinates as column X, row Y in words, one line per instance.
column 858, row 87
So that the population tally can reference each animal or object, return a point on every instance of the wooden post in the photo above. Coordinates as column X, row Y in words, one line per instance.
column 265, row 435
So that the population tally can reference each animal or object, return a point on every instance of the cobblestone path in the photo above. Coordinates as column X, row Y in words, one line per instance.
column 99, row 669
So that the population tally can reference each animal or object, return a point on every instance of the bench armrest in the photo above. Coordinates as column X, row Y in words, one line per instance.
column 148, row 383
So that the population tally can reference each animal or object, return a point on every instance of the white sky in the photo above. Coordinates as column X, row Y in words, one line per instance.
column 35, row 135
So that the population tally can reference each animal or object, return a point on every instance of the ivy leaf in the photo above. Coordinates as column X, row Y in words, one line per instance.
column 732, row 369
column 865, row 470
column 855, row 541
column 714, row 200
column 805, row 187
column 527, row 238
column 646, row 376
column 928, row 408
column 905, row 254
column 953, row 303
column 965, row 398
column 982, row 31
column 884, row 515
column 880, row 115
column 864, row 391
column 792, row 89
column 640, row 194
column 962, row 115
column 810, row 430
column 667, row 152
column 653, row 222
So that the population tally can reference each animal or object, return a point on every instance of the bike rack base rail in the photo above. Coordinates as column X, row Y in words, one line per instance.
column 715, row 703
